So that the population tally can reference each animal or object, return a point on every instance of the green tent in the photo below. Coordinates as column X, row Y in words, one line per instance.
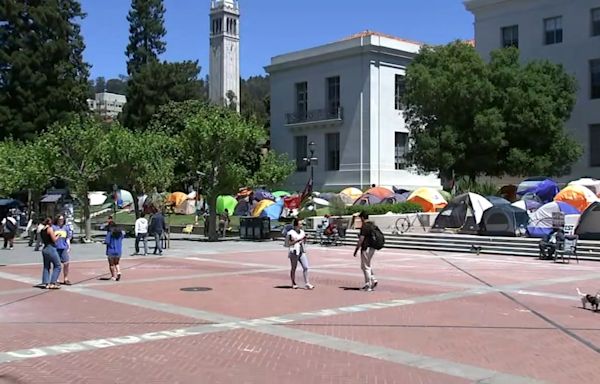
column 281, row 194
column 226, row 202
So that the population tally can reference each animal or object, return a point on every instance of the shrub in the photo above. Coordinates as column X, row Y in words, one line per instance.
column 481, row 188
column 382, row 209
column 337, row 206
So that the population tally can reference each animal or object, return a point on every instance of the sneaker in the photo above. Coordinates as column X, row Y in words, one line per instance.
column 375, row 282
column 365, row 287
column 294, row 286
column 369, row 289
column 309, row 286
column 118, row 276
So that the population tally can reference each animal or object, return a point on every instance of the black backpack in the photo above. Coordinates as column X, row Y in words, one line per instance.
column 377, row 238
column 10, row 226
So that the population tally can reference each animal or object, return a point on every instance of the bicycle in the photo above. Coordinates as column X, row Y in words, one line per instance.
column 405, row 223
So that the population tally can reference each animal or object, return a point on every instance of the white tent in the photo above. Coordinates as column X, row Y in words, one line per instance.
column 480, row 204
column 591, row 184
column 97, row 198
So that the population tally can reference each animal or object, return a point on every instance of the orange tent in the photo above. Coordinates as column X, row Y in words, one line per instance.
column 577, row 196
column 177, row 198
column 431, row 200
column 380, row 192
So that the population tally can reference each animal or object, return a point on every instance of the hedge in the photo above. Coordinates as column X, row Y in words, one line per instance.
column 382, row 209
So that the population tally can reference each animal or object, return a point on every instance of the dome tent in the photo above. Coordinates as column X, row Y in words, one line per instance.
column 226, row 203
column 578, row 196
column 540, row 222
column 503, row 220
column 463, row 212
column 589, row 223
column 527, row 205
column 428, row 198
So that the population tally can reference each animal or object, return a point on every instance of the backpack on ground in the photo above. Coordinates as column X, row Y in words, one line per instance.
column 377, row 238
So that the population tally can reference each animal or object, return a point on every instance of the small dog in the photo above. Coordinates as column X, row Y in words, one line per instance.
column 594, row 300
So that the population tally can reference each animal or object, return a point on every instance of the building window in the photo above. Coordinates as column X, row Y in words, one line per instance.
column 302, row 100
column 333, row 151
column 400, row 88
column 510, row 36
column 553, row 31
column 400, row 148
column 301, row 150
column 596, row 22
column 595, row 78
column 594, row 145
column 333, row 96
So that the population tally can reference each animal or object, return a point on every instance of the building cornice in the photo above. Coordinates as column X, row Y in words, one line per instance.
column 472, row 5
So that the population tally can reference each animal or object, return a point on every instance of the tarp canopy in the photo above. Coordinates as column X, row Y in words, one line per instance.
column 545, row 190
column 50, row 198
column 226, row 203
column 504, row 220
column 578, row 196
column 11, row 203
column 463, row 212
column 380, row 192
column 273, row 211
column 261, row 206
column 428, row 198
column 527, row 205
column 589, row 223
column 591, row 184
column 177, row 198
column 540, row 222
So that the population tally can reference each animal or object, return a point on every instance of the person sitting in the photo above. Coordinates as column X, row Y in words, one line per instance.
column 550, row 243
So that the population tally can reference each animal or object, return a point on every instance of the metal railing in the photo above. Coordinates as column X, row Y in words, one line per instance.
column 314, row 115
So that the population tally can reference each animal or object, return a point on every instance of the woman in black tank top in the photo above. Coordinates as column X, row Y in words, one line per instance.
column 51, row 259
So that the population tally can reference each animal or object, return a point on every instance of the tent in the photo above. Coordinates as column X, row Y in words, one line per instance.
column 540, row 222
column 578, row 196
column 350, row 195
column 589, row 223
column 545, row 189
column 504, row 220
column 591, row 184
column 368, row 199
column 495, row 200
column 263, row 194
column 281, row 194
column 464, row 211
column 273, row 211
column 242, row 208
column 396, row 198
column 428, row 198
column 380, row 192
column 528, row 205
column 97, row 198
column 261, row 206
column 176, row 198
column 124, row 198
column 188, row 207
column 226, row 203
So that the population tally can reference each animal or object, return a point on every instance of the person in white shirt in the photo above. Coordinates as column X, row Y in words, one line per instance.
column 9, row 231
column 141, row 233
column 296, row 238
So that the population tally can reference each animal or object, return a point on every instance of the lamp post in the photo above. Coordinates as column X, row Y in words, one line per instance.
column 312, row 160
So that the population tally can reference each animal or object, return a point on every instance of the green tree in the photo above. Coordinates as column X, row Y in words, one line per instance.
column 43, row 78
column 79, row 152
column 157, row 84
column 216, row 143
column 118, row 86
column 146, row 34
column 254, row 99
column 470, row 118
column 145, row 161
column 100, row 84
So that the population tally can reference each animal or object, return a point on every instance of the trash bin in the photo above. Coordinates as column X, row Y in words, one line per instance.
column 255, row 228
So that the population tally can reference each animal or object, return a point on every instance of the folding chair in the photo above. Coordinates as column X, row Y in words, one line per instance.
column 568, row 249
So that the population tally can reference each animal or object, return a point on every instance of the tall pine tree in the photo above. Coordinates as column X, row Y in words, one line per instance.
column 146, row 31
column 43, row 78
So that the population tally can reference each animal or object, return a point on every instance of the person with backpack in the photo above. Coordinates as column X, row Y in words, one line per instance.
column 52, row 265
column 9, row 231
column 114, row 249
column 295, row 238
column 370, row 239
column 64, row 232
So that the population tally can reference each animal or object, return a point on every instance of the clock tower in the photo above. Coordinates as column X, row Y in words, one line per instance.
column 224, row 78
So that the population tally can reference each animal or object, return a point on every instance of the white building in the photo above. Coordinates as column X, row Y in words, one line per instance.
column 107, row 105
column 563, row 31
column 345, row 97
column 224, row 80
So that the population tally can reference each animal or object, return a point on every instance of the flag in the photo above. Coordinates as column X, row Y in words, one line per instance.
column 308, row 189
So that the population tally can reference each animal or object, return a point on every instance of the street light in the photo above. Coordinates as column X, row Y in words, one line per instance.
column 312, row 160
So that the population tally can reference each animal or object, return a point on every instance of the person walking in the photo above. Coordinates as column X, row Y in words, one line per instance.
column 141, row 233
column 38, row 236
column 50, row 256
column 157, row 228
column 114, row 249
column 296, row 238
column 366, row 250
column 64, row 234
column 9, row 231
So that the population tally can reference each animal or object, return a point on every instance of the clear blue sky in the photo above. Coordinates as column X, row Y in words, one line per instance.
column 270, row 27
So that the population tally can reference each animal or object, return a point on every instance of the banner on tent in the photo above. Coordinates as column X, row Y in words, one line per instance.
column 571, row 222
column 558, row 220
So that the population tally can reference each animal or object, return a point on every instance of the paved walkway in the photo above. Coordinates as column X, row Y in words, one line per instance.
column 224, row 313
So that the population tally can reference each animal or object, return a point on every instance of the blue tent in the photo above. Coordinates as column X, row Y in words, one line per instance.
column 540, row 222
column 273, row 212
column 545, row 191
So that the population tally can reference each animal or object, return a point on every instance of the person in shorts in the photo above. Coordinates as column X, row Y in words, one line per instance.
column 114, row 249
column 64, row 234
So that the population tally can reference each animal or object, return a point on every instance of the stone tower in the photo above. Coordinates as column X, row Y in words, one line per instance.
column 224, row 78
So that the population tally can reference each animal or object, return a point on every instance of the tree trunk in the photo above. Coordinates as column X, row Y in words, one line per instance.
column 212, row 218
column 136, row 203
column 29, row 204
column 86, row 218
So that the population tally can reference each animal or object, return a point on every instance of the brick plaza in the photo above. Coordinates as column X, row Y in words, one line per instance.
column 225, row 314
